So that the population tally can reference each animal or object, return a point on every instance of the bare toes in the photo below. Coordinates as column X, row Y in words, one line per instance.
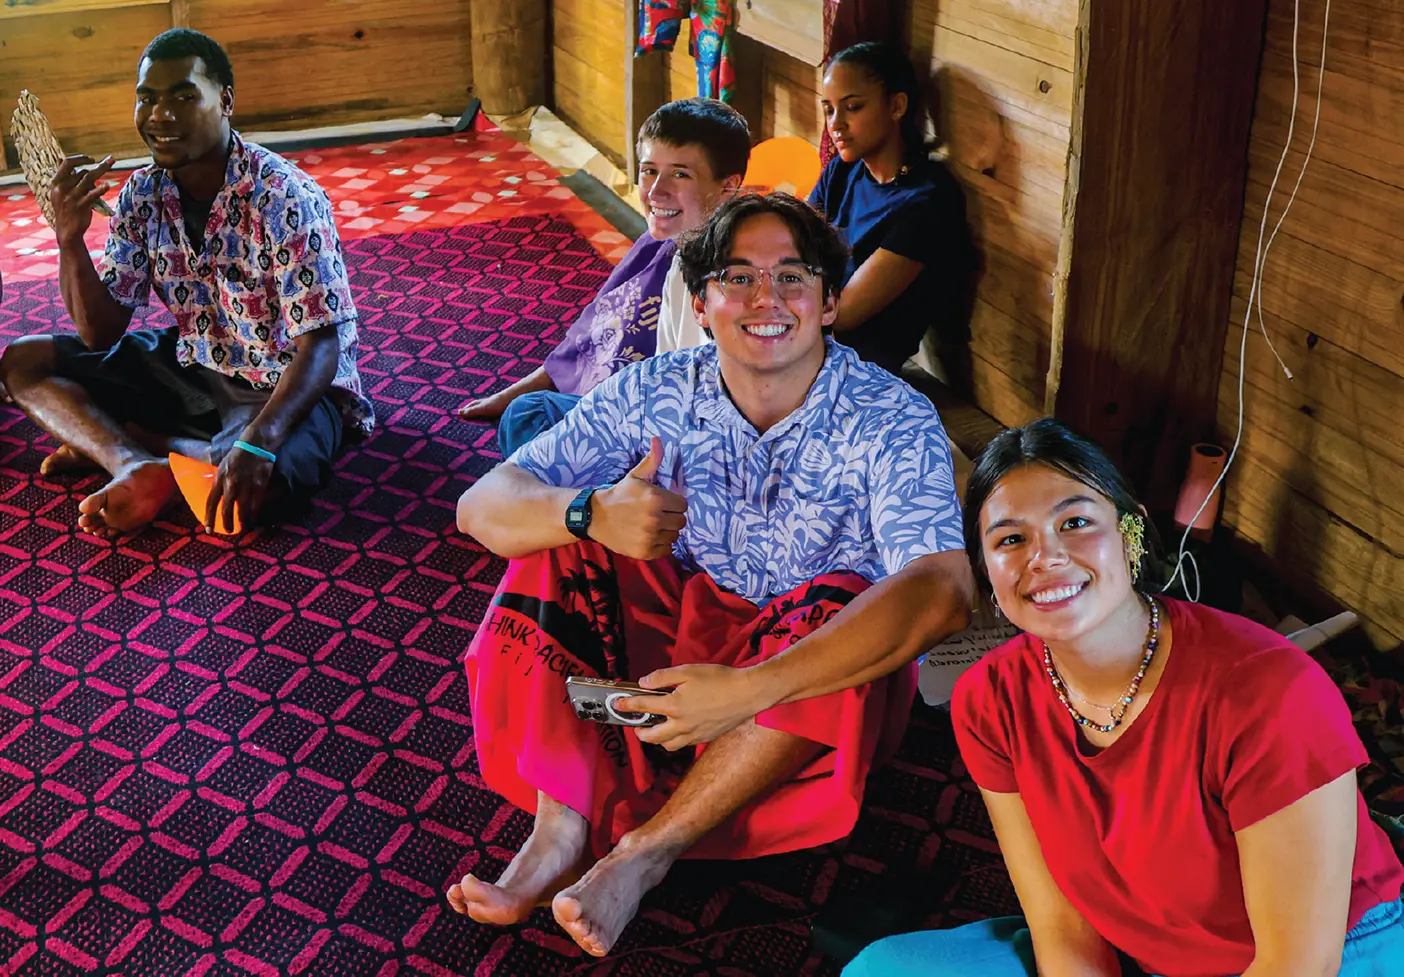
column 64, row 460
column 571, row 917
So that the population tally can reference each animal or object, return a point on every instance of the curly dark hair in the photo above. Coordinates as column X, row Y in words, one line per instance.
column 181, row 42
column 707, row 249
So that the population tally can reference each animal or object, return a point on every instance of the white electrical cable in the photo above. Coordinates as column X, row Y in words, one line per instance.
column 1311, row 147
column 1255, row 290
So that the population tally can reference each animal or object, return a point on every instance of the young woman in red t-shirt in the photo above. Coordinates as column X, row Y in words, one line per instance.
column 1173, row 787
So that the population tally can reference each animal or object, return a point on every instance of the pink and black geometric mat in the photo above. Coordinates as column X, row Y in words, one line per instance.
column 255, row 757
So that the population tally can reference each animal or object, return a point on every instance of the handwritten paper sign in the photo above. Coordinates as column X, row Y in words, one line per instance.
column 945, row 663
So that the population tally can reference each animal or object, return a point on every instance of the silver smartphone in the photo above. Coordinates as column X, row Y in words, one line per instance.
column 594, row 699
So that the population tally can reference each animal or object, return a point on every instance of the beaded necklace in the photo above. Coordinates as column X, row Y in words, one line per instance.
column 1118, row 711
column 1095, row 705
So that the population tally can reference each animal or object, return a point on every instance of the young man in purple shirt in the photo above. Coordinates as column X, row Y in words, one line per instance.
column 692, row 153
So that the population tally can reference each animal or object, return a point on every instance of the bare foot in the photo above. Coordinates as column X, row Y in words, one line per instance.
column 595, row 910
column 484, row 408
column 551, row 858
column 135, row 496
column 66, row 459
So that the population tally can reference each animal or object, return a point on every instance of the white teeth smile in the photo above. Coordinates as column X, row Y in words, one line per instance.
column 767, row 330
column 165, row 139
column 1057, row 594
column 659, row 212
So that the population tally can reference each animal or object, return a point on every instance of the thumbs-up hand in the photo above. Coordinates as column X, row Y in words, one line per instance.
column 635, row 517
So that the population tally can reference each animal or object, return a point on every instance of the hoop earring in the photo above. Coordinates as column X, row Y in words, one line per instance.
column 1133, row 533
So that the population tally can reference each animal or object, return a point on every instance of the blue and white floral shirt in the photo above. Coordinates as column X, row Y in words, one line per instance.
column 858, row 478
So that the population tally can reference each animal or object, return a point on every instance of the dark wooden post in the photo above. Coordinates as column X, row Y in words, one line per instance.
column 1166, row 106
column 645, row 89
column 509, row 54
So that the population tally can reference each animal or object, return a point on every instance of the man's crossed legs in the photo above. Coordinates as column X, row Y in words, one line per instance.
column 125, row 409
column 88, row 437
column 613, row 816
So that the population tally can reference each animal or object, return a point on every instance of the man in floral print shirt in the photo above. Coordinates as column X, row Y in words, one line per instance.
column 773, row 535
column 259, row 373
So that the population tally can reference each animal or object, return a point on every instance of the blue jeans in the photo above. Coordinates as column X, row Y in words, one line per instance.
column 532, row 414
column 1002, row 948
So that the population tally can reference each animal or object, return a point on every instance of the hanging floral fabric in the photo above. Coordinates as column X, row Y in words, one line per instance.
column 660, row 21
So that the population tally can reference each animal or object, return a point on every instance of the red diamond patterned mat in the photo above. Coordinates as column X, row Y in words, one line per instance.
column 255, row 756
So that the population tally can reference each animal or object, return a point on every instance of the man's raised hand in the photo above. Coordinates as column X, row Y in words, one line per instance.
column 635, row 517
column 73, row 195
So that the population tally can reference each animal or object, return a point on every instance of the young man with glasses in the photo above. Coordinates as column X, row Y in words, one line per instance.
column 766, row 526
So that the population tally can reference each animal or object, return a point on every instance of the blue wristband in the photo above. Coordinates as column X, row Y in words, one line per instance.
column 255, row 450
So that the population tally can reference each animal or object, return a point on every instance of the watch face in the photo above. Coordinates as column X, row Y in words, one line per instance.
column 575, row 518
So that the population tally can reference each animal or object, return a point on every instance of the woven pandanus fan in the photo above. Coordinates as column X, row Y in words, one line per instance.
column 40, row 153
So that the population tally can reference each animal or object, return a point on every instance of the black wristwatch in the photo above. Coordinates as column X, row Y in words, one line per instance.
column 578, row 514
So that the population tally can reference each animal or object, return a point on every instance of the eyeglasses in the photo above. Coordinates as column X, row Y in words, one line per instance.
column 741, row 283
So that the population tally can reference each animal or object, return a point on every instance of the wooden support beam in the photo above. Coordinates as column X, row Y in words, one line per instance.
column 1071, row 188
column 645, row 89
column 748, row 58
column 10, row 9
column 1164, row 136
column 509, row 54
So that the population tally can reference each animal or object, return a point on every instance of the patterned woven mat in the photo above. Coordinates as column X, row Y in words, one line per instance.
column 223, row 757
column 255, row 757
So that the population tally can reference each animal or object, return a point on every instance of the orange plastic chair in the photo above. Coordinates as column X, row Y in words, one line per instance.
column 195, row 479
column 786, row 163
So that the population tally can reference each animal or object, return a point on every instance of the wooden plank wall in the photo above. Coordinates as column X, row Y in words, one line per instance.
column 1002, row 76
column 325, row 62
column 82, row 66
column 682, row 70
column 1316, row 488
column 587, row 45
column 789, row 97
column 317, row 62
column 1162, row 145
